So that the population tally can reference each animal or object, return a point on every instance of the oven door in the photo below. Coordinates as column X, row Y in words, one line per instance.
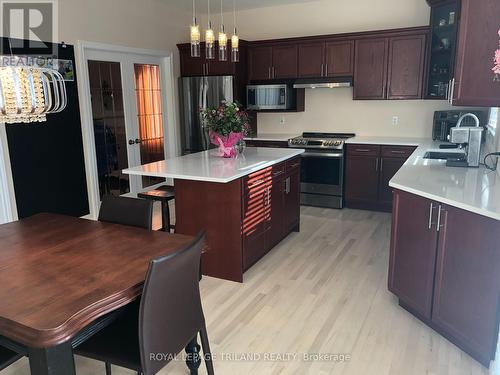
column 322, row 172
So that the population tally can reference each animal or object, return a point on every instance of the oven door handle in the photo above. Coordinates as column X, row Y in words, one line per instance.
column 322, row 154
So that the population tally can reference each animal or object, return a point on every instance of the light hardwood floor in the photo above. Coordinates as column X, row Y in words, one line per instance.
column 323, row 290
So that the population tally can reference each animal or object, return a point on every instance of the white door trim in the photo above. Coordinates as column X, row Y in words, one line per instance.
column 168, row 101
column 8, row 207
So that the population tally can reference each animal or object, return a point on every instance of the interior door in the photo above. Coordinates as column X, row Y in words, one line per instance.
column 128, row 116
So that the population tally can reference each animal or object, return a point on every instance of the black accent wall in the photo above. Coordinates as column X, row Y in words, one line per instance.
column 47, row 158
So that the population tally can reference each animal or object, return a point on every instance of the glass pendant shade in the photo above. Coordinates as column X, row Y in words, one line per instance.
column 195, row 40
column 28, row 94
column 222, row 45
column 235, row 48
column 209, row 43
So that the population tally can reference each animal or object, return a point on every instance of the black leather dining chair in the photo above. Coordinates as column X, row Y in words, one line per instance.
column 127, row 211
column 168, row 316
column 7, row 357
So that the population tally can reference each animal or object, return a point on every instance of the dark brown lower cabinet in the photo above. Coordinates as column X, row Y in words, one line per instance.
column 244, row 219
column 369, row 168
column 271, row 208
column 448, row 278
column 413, row 251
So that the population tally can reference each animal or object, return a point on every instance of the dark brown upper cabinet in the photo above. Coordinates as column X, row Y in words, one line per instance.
column 326, row 59
column 474, row 82
column 260, row 62
column 272, row 62
column 200, row 66
column 284, row 61
column 406, row 67
column 311, row 56
column 390, row 67
column 370, row 68
column 339, row 58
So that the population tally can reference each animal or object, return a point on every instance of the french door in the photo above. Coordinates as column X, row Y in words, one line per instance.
column 129, row 122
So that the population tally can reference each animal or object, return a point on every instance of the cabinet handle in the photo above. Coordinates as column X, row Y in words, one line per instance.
column 381, row 164
column 376, row 164
column 274, row 72
column 279, row 173
column 398, row 152
column 294, row 165
column 287, row 186
column 452, row 91
column 326, row 70
column 322, row 66
column 431, row 210
column 362, row 150
column 438, row 225
column 269, row 73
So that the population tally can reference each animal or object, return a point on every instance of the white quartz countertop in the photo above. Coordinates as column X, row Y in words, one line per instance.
column 387, row 141
column 473, row 189
column 271, row 137
column 207, row 166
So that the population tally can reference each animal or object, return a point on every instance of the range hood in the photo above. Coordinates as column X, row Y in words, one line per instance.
column 323, row 83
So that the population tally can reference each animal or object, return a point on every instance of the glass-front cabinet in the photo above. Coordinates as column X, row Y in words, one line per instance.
column 444, row 25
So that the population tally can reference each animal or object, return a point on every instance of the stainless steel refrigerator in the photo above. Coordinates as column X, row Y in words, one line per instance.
column 198, row 93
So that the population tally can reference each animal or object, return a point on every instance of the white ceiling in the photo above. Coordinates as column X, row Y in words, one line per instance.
column 201, row 5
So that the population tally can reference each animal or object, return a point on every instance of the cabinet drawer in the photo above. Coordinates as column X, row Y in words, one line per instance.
column 292, row 164
column 397, row 151
column 278, row 170
column 368, row 150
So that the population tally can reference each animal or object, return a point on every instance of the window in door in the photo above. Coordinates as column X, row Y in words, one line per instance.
column 149, row 116
column 109, row 127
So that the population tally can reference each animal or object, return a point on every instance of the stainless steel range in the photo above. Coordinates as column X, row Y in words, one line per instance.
column 322, row 174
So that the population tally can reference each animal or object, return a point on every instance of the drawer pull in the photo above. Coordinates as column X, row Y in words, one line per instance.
column 278, row 173
column 398, row 152
column 295, row 165
column 362, row 150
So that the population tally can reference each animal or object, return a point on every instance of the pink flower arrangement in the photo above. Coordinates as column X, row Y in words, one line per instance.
column 227, row 125
column 496, row 59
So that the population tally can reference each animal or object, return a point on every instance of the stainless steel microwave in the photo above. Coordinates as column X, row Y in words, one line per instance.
column 262, row 97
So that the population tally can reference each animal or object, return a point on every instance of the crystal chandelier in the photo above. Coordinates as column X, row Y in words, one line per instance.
column 29, row 93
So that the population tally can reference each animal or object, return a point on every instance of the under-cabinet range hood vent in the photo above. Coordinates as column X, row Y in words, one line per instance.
column 322, row 83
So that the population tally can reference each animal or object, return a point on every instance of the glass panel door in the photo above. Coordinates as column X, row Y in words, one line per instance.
column 149, row 117
column 109, row 127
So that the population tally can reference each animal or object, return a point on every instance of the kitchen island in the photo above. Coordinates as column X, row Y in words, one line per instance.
column 247, row 205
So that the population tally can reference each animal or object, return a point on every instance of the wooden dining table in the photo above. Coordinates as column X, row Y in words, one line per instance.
column 62, row 279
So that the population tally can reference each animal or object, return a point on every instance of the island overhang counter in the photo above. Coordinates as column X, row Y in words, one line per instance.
column 247, row 205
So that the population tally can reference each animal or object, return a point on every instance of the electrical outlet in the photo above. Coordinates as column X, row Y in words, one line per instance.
column 395, row 120
column 282, row 120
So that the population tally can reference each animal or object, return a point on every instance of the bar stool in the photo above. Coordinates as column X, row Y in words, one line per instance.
column 162, row 194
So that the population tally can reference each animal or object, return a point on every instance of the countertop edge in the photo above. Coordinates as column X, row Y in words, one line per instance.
column 453, row 203
column 294, row 153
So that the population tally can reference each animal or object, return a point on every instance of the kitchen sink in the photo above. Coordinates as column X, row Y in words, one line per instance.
column 439, row 155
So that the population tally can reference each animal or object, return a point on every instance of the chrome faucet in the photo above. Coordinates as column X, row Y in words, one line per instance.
column 468, row 138
column 476, row 119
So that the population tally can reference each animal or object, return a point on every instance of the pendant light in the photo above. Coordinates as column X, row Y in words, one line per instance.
column 235, row 40
column 195, row 35
column 209, row 39
column 29, row 93
column 222, row 37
